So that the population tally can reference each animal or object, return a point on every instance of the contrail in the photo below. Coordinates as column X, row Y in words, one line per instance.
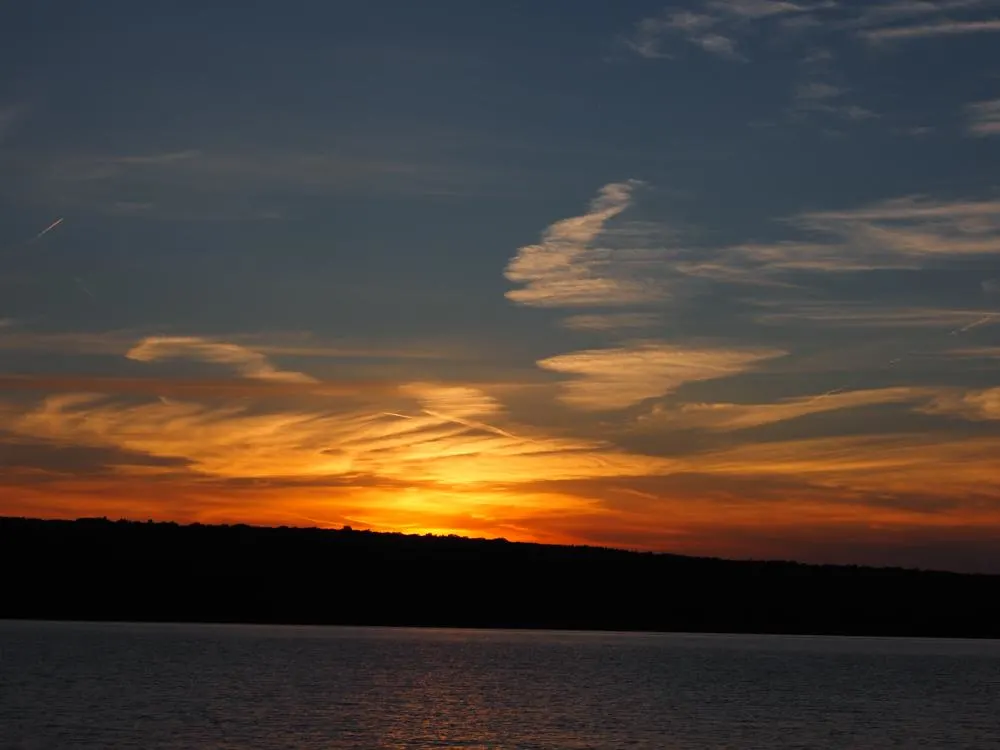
column 47, row 229
column 22, row 244
column 83, row 286
column 975, row 324
column 896, row 360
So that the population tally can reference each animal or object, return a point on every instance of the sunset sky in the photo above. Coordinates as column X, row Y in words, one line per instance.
column 715, row 277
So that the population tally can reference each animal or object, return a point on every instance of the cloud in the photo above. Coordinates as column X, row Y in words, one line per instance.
column 247, row 362
column 616, row 378
column 914, row 227
column 611, row 321
column 906, row 232
column 729, row 416
column 866, row 315
column 715, row 27
column 949, row 466
column 294, row 344
column 574, row 266
column 754, row 9
column 651, row 35
column 874, row 14
column 455, row 401
column 984, row 117
column 977, row 405
column 977, row 352
column 166, row 157
column 720, row 27
column 825, row 98
column 922, row 19
column 925, row 31
column 232, row 442
column 192, row 387
column 213, row 184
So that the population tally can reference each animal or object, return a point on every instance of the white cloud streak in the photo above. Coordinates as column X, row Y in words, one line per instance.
column 925, row 31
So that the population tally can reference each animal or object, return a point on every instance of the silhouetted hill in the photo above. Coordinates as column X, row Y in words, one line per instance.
column 96, row 569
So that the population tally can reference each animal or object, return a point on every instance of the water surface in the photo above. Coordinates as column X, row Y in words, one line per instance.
column 215, row 687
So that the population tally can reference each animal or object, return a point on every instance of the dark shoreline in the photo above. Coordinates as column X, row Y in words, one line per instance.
column 102, row 571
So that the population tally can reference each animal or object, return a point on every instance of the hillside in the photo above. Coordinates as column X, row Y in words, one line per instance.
column 101, row 570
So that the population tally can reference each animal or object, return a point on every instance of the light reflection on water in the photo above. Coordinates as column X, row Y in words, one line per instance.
column 218, row 687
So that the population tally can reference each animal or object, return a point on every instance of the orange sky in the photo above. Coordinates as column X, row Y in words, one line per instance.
column 715, row 277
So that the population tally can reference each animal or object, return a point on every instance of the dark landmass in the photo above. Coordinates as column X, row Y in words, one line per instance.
column 94, row 569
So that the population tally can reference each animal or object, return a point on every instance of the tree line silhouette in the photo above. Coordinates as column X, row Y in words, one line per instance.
column 96, row 569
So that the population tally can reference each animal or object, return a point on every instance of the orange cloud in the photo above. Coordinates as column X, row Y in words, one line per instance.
column 247, row 362
column 234, row 442
column 726, row 416
column 615, row 378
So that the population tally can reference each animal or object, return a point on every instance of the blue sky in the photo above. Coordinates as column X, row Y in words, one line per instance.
column 719, row 277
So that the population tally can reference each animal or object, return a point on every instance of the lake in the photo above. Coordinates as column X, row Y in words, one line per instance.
column 237, row 687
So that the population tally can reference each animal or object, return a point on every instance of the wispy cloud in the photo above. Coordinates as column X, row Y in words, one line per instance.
column 236, row 443
column 196, row 388
column 165, row 157
column 207, row 184
column 756, row 8
column 821, row 97
column 612, row 321
column 720, row 27
column 653, row 36
column 977, row 352
column 984, row 117
column 873, row 14
column 865, row 315
column 453, row 400
column 292, row 344
column 616, row 378
column 900, row 20
column 902, row 233
column 576, row 264
column 974, row 404
column 247, row 362
column 729, row 416
column 924, row 31
column 715, row 27
column 914, row 227
column 896, row 463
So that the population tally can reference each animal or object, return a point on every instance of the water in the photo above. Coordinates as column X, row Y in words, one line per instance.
column 215, row 687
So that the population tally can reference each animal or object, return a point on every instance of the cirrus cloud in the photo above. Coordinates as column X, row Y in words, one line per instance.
column 577, row 263
column 247, row 362
column 616, row 378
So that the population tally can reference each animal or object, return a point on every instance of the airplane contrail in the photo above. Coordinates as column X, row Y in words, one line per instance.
column 83, row 286
column 974, row 324
column 47, row 229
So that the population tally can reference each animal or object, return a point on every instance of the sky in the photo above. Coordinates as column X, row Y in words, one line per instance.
column 717, row 277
